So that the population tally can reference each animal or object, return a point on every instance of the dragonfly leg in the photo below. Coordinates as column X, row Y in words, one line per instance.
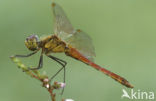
column 61, row 62
column 28, row 55
column 40, row 65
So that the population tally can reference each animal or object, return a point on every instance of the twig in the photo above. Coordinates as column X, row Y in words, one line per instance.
column 43, row 78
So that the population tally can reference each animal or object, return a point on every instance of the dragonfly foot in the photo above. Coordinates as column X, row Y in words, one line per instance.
column 32, row 68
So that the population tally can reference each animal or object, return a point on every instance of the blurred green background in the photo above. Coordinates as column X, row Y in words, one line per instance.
column 123, row 33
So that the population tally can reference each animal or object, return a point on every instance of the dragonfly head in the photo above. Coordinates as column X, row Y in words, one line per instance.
column 31, row 42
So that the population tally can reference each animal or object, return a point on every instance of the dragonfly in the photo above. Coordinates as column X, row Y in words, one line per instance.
column 66, row 39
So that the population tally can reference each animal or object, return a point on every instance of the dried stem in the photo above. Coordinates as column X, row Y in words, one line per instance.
column 35, row 74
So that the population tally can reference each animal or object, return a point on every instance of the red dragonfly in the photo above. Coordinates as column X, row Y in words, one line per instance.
column 74, row 43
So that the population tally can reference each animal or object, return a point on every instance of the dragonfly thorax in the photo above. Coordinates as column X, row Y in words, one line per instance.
column 52, row 44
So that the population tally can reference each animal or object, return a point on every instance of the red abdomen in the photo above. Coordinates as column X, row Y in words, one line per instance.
column 77, row 55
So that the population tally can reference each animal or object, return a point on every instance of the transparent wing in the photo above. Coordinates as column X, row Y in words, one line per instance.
column 83, row 43
column 75, row 38
column 61, row 23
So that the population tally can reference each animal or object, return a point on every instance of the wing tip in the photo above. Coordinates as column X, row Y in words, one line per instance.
column 53, row 4
column 78, row 30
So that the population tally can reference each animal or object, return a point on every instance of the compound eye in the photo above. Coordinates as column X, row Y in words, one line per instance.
column 31, row 42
